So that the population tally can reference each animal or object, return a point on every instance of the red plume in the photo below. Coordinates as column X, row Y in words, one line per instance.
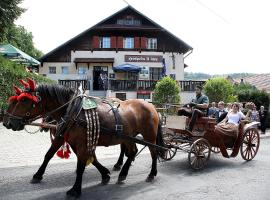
column 26, row 85
column 32, row 84
column 17, row 90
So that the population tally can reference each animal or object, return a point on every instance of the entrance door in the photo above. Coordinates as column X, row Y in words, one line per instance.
column 100, row 78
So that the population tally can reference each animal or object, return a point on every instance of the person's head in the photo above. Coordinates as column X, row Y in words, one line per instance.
column 221, row 105
column 213, row 104
column 262, row 108
column 198, row 90
column 235, row 107
column 254, row 108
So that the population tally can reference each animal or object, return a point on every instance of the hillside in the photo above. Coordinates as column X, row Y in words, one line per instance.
column 203, row 76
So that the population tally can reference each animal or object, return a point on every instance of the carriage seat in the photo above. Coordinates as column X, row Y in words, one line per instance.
column 204, row 123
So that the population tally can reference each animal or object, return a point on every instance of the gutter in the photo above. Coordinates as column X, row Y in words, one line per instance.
column 188, row 53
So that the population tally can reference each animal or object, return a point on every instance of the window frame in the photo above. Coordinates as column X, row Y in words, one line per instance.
column 82, row 67
column 52, row 69
column 64, row 67
column 128, row 42
column 151, row 43
column 105, row 42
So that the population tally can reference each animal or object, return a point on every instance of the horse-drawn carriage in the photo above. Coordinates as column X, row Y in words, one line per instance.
column 203, row 139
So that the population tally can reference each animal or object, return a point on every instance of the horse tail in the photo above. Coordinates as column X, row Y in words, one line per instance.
column 159, row 140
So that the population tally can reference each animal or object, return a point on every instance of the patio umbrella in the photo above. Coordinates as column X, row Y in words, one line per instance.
column 16, row 55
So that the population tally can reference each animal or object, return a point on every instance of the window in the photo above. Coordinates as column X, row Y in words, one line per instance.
column 64, row 70
column 129, row 20
column 128, row 43
column 105, row 42
column 132, row 76
column 52, row 70
column 152, row 43
column 155, row 73
column 82, row 70
column 172, row 76
column 143, row 96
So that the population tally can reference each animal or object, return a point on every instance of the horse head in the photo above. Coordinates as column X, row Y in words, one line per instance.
column 23, row 106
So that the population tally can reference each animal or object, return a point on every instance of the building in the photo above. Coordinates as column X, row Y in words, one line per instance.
column 122, row 56
column 260, row 81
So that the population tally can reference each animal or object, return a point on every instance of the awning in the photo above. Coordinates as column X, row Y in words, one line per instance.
column 94, row 60
column 127, row 68
column 16, row 55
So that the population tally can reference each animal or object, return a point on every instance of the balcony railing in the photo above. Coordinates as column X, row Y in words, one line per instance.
column 74, row 83
column 131, row 85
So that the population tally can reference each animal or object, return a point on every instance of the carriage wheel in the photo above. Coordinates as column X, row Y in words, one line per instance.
column 250, row 144
column 169, row 154
column 199, row 154
column 168, row 141
column 215, row 149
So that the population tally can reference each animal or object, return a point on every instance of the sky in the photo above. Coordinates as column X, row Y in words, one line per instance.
column 227, row 36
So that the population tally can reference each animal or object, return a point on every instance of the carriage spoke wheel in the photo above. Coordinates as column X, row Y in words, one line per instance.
column 215, row 149
column 168, row 141
column 250, row 144
column 199, row 154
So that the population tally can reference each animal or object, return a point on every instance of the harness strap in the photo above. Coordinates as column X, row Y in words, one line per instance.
column 117, row 117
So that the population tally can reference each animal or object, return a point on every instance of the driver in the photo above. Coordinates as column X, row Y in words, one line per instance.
column 197, row 108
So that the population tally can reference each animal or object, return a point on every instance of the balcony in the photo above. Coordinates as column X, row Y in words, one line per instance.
column 130, row 85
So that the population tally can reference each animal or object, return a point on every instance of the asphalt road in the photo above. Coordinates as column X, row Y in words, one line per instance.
column 221, row 179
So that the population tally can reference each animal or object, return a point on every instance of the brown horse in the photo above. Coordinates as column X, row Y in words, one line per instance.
column 138, row 117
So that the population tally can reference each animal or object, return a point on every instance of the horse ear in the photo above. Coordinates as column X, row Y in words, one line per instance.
column 25, row 84
column 17, row 90
column 32, row 84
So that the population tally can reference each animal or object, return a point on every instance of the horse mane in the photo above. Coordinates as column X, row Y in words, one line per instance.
column 57, row 93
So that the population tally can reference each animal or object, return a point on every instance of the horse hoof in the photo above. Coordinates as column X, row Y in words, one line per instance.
column 36, row 179
column 106, row 180
column 117, row 167
column 150, row 178
column 73, row 194
column 121, row 179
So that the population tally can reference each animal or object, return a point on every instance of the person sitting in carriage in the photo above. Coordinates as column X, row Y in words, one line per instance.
column 228, row 128
column 195, row 109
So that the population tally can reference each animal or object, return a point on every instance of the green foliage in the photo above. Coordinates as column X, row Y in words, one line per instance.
column 10, row 73
column 167, row 91
column 259, row 97
column 242, row 87
column 9, row 11
column 23, row 40
column 219, row 89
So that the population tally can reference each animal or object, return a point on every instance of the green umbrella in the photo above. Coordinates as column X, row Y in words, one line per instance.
column 14, row 54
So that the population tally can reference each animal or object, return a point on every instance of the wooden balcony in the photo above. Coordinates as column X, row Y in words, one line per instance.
column 131, row 85
column 74, row 84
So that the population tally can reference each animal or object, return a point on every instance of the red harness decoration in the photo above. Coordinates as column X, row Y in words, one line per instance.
column 64, row 151
column 29, row 96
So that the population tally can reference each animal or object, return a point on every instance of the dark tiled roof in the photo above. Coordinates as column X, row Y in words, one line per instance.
column 260, row 81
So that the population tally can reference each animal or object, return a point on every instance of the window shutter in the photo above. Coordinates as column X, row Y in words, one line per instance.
column 136, row 42
column 113, row 42
column 120, row 42
column 95, row 42
column 143, row 42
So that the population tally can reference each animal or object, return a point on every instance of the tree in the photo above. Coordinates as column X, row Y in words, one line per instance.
column 9, row 11
column 19, row 37
column 219, row 89
column 167, row 91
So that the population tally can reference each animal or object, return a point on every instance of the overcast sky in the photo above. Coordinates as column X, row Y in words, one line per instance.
column 227, row 36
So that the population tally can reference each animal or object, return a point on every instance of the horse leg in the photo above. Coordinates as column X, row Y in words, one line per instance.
column 103, row 171
column 56, row 144
column 119, row 163
column 153, row 171
column 75, row 191
column 130, row 151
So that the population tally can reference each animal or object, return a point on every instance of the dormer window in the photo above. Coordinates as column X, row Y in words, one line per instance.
column 129, row 21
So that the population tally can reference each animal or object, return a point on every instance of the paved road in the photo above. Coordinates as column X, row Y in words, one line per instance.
column 222, row 178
